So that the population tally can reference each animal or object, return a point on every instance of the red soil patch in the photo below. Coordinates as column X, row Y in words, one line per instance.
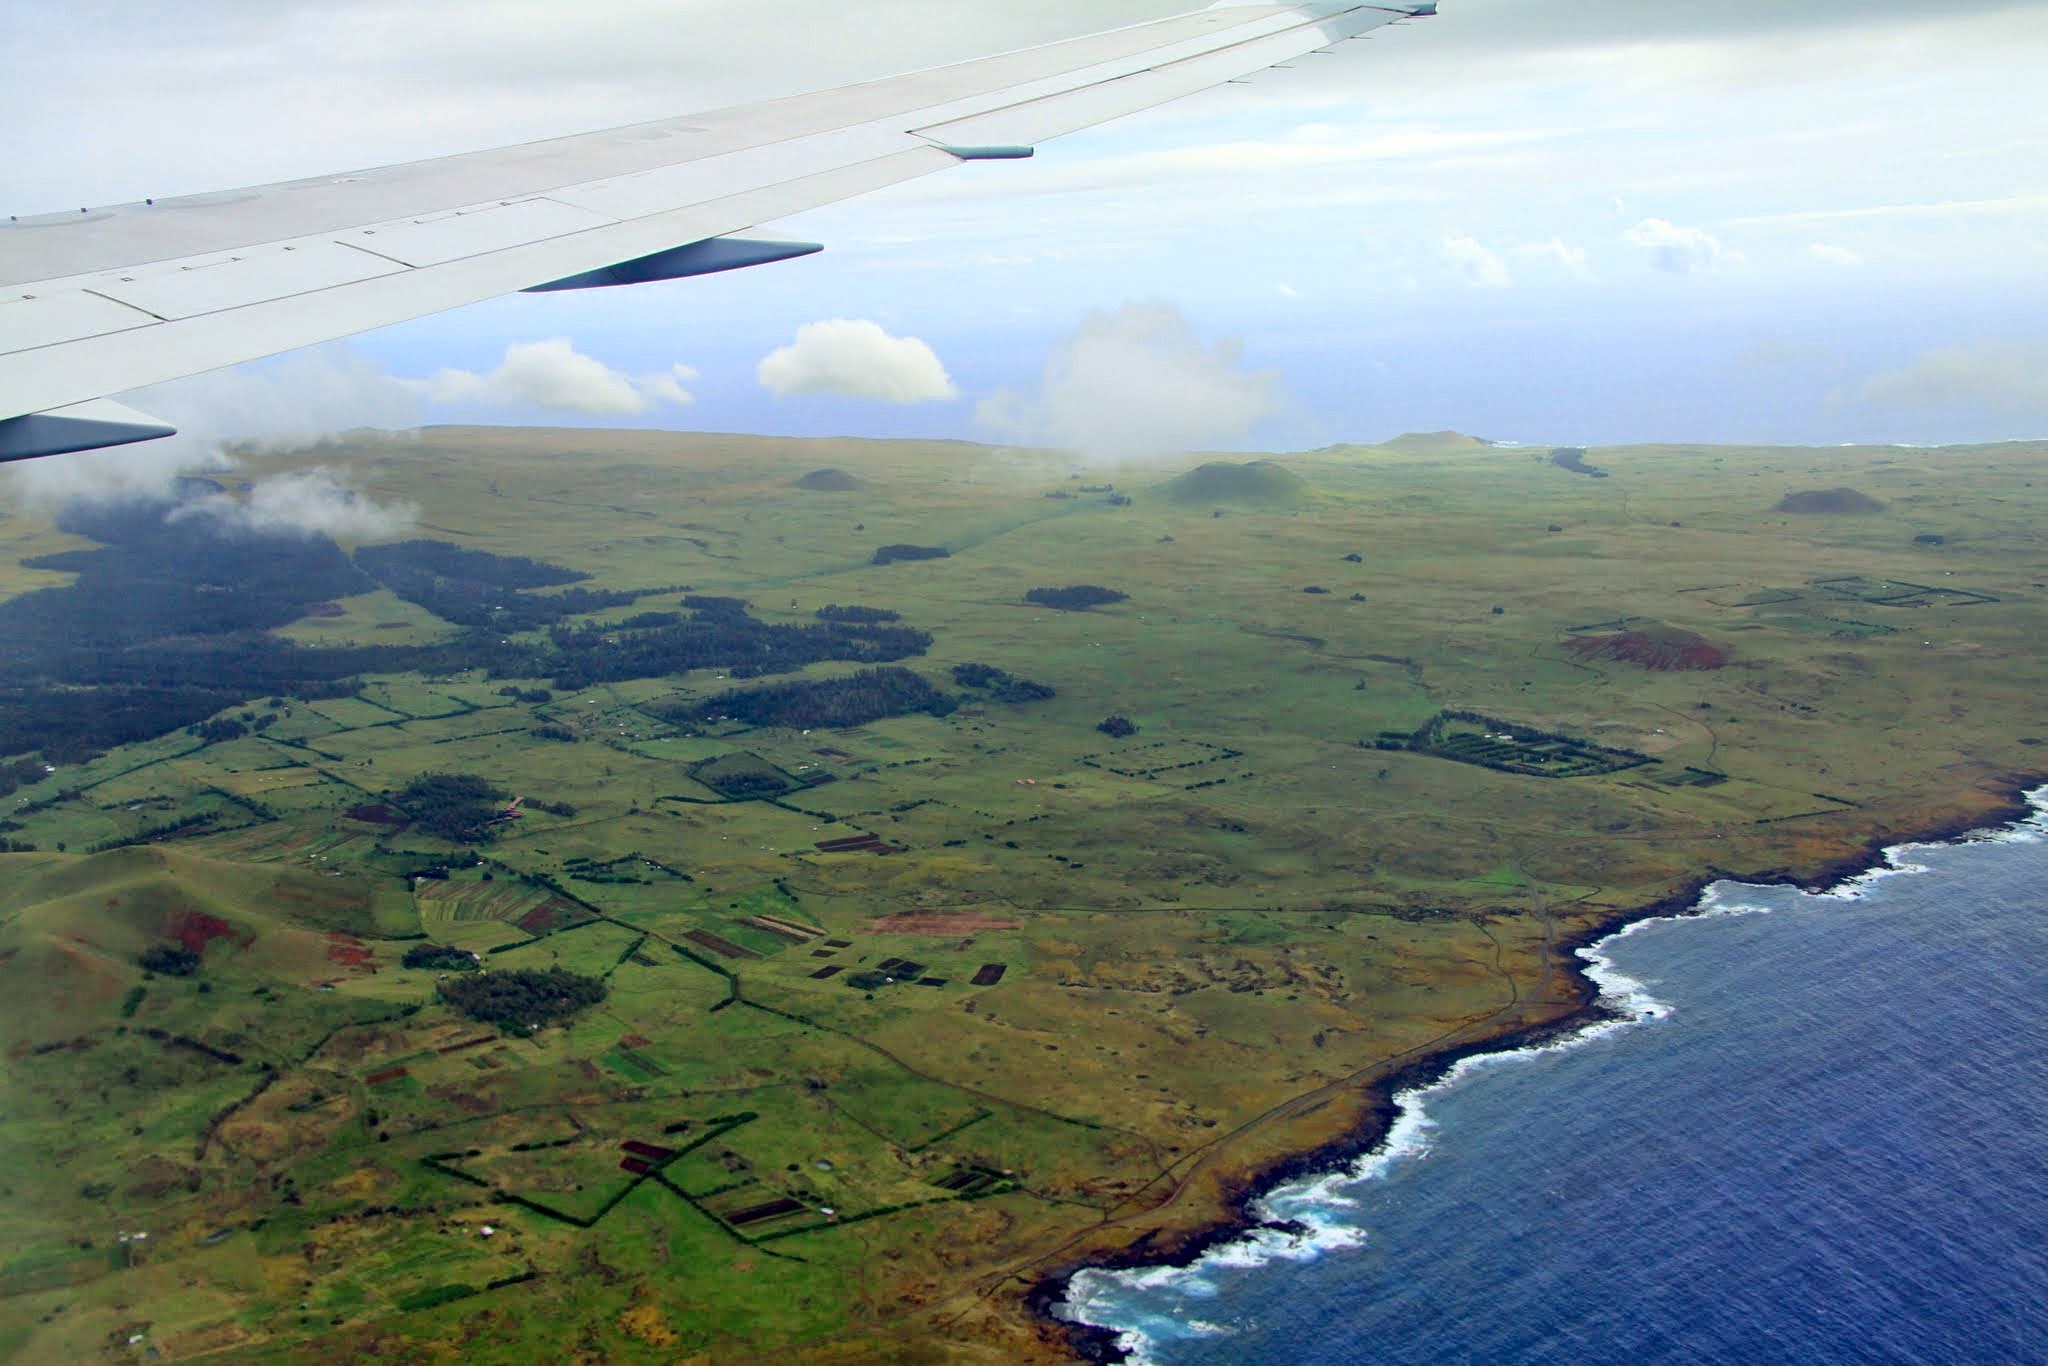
column 194, row 930
column 652, row 1152
column 350, row 953
column 635, row 1041
column 634, row 1165
column 858, row 844
column 1665, row 651
column 719, row 945
column 549, row 916
column 388, row 1074
column 948, row 923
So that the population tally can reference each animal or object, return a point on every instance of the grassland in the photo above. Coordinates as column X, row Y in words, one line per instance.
column 959, row 1002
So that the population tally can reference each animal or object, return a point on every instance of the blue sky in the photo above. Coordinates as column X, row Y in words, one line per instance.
column 1584, row 221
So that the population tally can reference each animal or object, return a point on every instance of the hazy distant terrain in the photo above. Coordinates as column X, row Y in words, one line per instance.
column 914, row 984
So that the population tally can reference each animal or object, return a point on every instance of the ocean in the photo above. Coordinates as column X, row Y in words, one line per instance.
column 1819, row 1134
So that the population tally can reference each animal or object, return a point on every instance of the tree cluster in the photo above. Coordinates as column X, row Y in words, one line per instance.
column 458, row 807
column 524, row 998
column 478, row 589
column 722, row 637
column 439, row 958
column 835, row 703
column 169, row 625
column 1078, row 598
column 889, row 554
column 858, row 616
column 1000, row 684
column 19, row 774
column 1118, row 728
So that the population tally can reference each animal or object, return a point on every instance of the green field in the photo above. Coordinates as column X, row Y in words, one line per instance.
column 1354, row 828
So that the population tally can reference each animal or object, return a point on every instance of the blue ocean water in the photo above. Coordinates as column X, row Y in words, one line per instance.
column 1823, row 1139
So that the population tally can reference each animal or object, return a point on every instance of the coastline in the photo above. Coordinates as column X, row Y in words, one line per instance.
column 2017, row 798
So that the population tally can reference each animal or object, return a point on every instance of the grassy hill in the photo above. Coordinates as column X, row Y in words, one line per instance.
column 1843, row 502
column 1435, row 443
column 73, row 931
column 830, row 481
column 1262, row 483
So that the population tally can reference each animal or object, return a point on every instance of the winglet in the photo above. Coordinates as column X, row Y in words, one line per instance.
column 82, row 427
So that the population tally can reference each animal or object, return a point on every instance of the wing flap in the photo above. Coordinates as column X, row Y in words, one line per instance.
column 187, row 291
column 69, row 315
column 477, row 231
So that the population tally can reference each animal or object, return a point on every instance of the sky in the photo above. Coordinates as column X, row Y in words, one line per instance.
column 1548, row 221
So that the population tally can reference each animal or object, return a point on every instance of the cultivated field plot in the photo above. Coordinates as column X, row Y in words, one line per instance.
column 895, row 1013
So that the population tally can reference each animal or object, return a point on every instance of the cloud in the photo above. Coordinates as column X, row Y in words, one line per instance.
column 309, row 502
column 1681, row 250
column 555, row 376
column 303, row 400
column 2005, row 377
column 1571, row 260
column 1829, row 254
column 856, row 359
column 1481, row 266
column 1136, row 382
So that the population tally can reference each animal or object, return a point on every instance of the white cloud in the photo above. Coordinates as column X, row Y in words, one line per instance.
column 555, row 376
column 1481, row 266
column 1571, row 260
column 1136, row 382
column 1827, row 253
column 2009, row 377
column 854, row 358
column 301, row 401
column 310, row 502
column 1683, row 250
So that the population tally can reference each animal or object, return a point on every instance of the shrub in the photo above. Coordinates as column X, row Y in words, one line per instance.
column 1078, row 598
column 169, row 960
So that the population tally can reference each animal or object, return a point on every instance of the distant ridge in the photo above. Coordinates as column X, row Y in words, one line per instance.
column 1830, row 503
column 1435, row 443
column 1263, row 483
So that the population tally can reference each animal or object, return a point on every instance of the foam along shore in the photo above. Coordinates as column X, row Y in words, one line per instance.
column 1301, row 1217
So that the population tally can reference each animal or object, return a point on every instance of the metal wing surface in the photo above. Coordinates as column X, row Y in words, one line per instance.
column 106, row 300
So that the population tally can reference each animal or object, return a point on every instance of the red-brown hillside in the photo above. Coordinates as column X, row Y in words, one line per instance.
column 1660, row 649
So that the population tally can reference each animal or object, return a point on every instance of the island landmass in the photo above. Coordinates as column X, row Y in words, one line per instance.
column 568, row 927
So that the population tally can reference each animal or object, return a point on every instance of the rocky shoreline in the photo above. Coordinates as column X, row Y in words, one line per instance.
column 1161, row 1248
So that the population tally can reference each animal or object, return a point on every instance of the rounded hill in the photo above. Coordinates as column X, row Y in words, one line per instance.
column 1262, row 483
column 1434, row 443
column 1830, row 503
column 830, row 481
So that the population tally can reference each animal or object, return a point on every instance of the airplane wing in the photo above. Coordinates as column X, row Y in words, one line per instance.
column 106, row 300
